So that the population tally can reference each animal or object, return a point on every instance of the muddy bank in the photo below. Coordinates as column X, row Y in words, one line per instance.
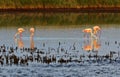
column 75, row 10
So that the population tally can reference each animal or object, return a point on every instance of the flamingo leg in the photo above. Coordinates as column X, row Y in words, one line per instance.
column 99, row 33
column 88, row 36
column 16, row 34
column 84, row 35
column 20, row 35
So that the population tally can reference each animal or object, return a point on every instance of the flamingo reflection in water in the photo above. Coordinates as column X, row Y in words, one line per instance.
column 32, row 30
column 19, row 40
column 92, row 45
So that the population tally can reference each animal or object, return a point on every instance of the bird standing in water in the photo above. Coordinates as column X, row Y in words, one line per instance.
column 93, row 32
column 88, row 32
column 20, row 31
column 93, row 35
column 97, row 31
column 19, row 40
column 32, row 30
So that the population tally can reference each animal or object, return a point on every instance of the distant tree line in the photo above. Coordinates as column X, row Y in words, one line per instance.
column 58, row 3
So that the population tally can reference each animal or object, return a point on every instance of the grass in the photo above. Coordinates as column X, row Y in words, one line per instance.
column 58, row 3
column 58, row 19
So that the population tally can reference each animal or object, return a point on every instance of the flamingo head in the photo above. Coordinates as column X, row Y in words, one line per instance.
column 88, row 30
column 20, row 30
column 96, row 28
column 32, row 30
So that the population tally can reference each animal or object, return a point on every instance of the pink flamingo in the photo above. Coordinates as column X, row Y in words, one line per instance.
column 19, row 41
column 20, row 31
column 88, row 32
column 97, row 30
column 32, row 30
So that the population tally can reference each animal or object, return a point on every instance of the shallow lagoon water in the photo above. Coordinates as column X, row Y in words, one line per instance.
column 68, row 37
column 52, row 37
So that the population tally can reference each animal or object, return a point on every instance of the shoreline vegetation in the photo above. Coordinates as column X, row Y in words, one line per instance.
column 82, row 10
column 59, row 19
column 60, row 5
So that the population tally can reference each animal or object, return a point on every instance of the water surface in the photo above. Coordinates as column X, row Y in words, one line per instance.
column 52, row 28
column 62, row 30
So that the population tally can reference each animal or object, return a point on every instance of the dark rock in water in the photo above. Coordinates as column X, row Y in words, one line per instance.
column 106, row 56
column 12, row 56
column 41, row 52
column 115, row 42
column 43, row 44
column 16, row 48
column 53, row 59
column 97, row 72
column 62, row 60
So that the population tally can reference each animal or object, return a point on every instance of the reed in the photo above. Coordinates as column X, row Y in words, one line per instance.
column 4, row 4
column 59, row 19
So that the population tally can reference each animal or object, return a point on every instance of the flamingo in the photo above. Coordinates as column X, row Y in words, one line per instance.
column 97, row 30
column 32, row 30
column 93, row 43
column 19, row 40
column 89, row 31
column 20, row 31
column 20, row 43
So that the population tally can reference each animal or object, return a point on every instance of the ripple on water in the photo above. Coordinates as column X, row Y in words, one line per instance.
column 19, row 71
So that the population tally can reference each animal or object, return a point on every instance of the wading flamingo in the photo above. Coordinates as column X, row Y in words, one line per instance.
column 97, row 30
column 93, row 43
column 88, row 32
column 32, row 30
column 20, row 31
column 19, row 40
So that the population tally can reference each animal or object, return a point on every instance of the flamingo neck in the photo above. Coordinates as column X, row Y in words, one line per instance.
column 93, row 35
column 16, row 34
column 20, row 35
column 32, row 34
column 95, row 32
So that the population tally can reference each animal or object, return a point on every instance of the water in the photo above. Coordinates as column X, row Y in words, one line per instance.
column 52, row 37
column 62, row 30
